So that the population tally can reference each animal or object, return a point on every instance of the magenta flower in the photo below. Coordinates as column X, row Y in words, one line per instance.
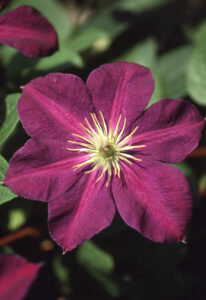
column 26, row 30
column 94, row 147
column 16, row 276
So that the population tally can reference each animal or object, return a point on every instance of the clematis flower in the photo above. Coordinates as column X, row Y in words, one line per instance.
column 16, row 276
column 94, row 149
column 28, row 31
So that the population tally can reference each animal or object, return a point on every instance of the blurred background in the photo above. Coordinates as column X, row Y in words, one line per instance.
column 168, row 36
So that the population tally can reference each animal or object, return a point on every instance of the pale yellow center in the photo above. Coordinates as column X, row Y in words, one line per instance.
column 106, row 147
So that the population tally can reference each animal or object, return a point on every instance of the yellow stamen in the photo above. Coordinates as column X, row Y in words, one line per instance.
column 121, row 132
column 102, row 173
column 81, row 144
column 96, row 123
column 104, row 147
column 128, row 136
column 83, row 138
column 90, row 161
column 104, row 123
column 117, row 126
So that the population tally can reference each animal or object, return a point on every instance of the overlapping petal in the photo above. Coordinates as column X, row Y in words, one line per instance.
column 25, row 29
column 42, row 170
column 154, row 198
column 170, row 129
column 54, row 106
column 84, row 210
column 16, row 276
column 120, row 88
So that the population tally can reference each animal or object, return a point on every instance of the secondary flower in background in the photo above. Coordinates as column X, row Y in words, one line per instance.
column 94, row 146
column 28, row 31
column 16, row 276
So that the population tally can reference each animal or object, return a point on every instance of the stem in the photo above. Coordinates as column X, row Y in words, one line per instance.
column 22, row 233
column 199, row 152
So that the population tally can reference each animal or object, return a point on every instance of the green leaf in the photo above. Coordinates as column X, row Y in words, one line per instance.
column 159, row 91
column 3, row 167
column 17, row 65
column 60, row 60
column 105, row 24
column 60, row 270
column 11, row 117
column 185, row 169
column 62, row 274
column 199, row 33
column 143, row 53
column 202, row 185
column 7, row 250
column 100, row 265
column 102, row 25
column 5, row 193
column 172, row 66
column 16, row 218
column 109, row 284
column 92, row 257
column 140, row 5
column 196, row 73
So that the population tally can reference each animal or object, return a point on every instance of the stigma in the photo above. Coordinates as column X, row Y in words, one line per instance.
column 106, row 148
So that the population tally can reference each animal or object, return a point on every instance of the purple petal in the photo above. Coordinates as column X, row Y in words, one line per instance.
column 154, row 199
column 16, row 276
column 121, row 88
column 54, row 106
column 84, row 210
column 170, row 129
column 42, row 170
column 26, row 30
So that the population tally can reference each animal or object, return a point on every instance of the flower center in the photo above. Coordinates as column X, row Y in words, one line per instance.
column 106, row 148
